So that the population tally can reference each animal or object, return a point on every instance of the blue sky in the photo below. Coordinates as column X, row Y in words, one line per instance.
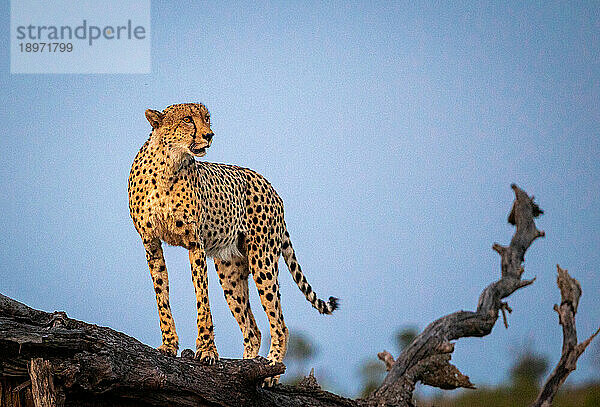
column 391, row 130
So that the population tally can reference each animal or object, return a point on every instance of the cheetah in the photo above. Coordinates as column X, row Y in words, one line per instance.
column 226, row 212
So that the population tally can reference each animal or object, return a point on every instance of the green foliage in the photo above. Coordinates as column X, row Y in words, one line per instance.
column 372, row 373
column 580, row 396
column 525, row 376
column 405, row 336
column 301, row 351
column 528, row 370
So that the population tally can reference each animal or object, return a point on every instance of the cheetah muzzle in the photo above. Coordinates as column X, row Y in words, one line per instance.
column 198, row 151
column 227, row 212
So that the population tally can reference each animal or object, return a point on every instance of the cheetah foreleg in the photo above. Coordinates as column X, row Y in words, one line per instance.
column 206, row 351
column 160, row 278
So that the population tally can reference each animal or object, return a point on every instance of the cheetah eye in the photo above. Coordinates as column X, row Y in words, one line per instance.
column 187, row 119
column 208, row 119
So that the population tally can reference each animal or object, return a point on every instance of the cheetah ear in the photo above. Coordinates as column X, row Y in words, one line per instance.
column 154, row 117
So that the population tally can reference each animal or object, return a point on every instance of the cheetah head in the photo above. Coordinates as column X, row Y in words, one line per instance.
column 184, row 127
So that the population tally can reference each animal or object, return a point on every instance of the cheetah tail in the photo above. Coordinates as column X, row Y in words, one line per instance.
column 290, row 259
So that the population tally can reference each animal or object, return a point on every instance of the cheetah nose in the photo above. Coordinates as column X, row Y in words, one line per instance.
column 208, row 136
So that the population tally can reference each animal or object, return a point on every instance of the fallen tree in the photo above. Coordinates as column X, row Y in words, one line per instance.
column 48, row 359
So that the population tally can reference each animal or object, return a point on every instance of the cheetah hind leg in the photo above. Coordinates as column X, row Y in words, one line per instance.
column 265, row 271
column 233, row 275
column 272, row 381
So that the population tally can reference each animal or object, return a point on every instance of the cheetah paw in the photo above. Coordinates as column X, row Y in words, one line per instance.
column 168, row 350
column 207, row 357
column 270, row 381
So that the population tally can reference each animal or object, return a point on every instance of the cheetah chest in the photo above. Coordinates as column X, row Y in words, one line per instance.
column 173, row 213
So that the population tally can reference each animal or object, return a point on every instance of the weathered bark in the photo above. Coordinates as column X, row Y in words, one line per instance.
column 42, row 384
column 570, row 291
column 65, row 361
column 48, row 359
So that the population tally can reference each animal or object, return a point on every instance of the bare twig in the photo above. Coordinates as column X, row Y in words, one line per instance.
column 570, row 291
column 504, row 308
column 387, row 358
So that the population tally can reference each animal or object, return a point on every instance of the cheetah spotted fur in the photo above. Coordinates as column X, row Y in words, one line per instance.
column 226, row 212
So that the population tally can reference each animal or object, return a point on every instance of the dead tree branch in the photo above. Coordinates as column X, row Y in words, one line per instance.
column 427, row 358
column 570, row 291
column 62, row 361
